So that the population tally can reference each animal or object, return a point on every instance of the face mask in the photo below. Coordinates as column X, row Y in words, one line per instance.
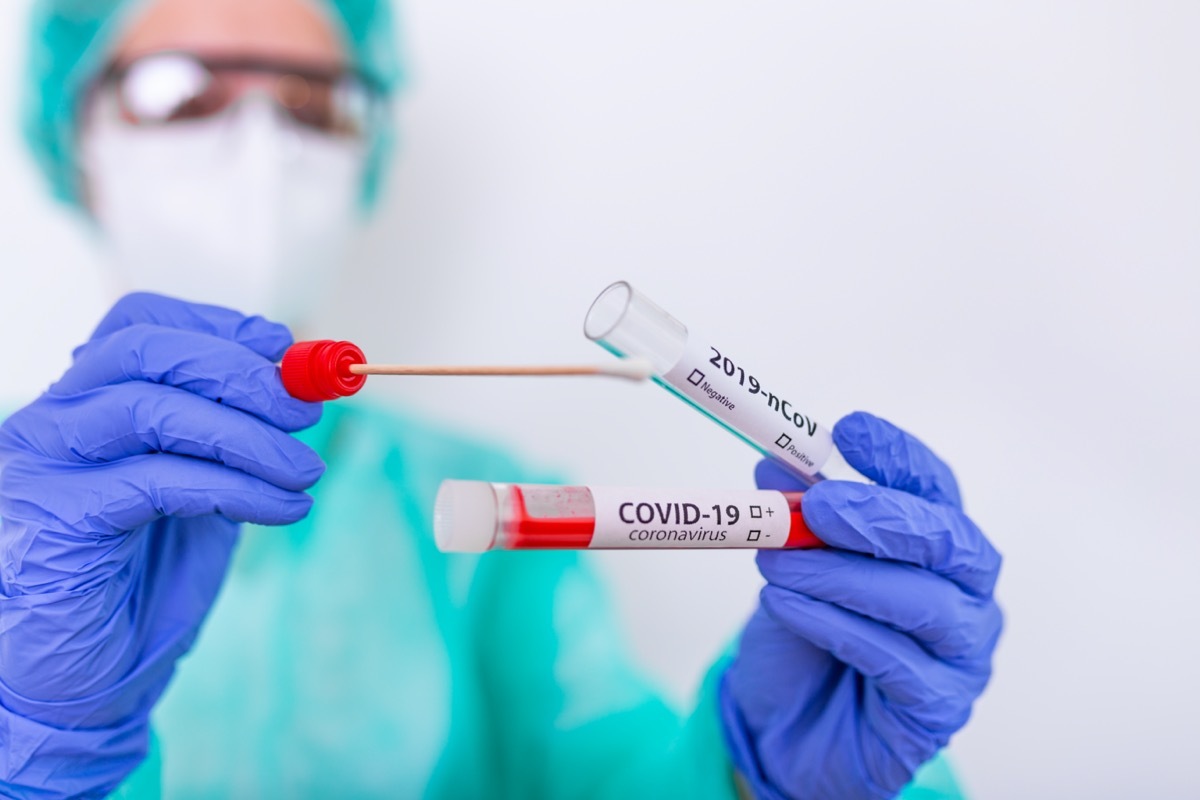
column 244, row 209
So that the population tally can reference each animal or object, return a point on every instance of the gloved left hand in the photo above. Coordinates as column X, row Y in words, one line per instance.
column 863, row 659
column 121, row 493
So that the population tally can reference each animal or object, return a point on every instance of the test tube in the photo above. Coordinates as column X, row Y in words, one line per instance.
column 712, row 379
column 476, row 516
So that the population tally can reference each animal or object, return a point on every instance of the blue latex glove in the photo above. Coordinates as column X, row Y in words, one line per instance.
column 121, row 493
column 861, row 661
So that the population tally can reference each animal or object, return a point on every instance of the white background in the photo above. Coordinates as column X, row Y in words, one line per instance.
column 979, row 220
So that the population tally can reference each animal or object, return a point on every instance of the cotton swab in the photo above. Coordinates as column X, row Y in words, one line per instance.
column 326, row 369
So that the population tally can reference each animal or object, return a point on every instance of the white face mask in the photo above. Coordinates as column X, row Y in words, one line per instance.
column 245, row 209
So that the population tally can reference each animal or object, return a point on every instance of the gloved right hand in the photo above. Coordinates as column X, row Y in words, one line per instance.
column 121, row 493
column 863, row 659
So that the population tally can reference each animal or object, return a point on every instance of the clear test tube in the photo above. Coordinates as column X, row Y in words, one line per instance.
column 710, row 378
column 475, row 516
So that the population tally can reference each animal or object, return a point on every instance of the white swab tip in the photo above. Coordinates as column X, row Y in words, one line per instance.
column 634, row 369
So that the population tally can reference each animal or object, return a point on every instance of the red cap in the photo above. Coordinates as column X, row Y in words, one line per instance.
column 320, row 370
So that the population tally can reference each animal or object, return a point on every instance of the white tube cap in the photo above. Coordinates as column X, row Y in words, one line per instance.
column 465, row 517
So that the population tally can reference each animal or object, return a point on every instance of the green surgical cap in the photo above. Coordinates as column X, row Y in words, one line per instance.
column 69, row 45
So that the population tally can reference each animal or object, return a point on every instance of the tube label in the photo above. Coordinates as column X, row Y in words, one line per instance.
column 721, row 387
column 673, row 518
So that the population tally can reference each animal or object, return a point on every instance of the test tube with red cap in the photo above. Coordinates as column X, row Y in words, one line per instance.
column 476, row 516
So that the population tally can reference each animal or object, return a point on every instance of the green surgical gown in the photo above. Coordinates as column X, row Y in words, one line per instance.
column 347, row 657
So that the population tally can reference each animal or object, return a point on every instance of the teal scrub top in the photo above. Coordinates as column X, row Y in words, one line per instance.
column 347, row 657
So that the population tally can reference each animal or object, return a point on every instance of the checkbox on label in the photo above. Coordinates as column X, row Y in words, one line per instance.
column 696, row 377
column 753, row 536
column 755, row 512
column 784, row 440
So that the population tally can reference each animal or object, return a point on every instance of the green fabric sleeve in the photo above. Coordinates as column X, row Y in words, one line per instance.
column 690, row 762
column 145, row 782
column 565, row 714
column 934, row 781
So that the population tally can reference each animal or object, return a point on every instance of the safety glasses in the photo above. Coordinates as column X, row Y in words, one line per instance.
column 168, row 87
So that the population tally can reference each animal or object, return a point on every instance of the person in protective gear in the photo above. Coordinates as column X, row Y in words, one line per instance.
column 159, row 634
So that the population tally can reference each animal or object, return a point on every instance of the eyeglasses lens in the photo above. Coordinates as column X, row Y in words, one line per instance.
column 170, row 87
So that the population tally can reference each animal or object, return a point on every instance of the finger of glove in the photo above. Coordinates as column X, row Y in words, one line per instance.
column 931, row 690
column 130, row 419
column 891, row 457
column 770, row 474
column 892, row 524
column 268, row 339
column 209, row 366
column 948, row 622
column 113, row 498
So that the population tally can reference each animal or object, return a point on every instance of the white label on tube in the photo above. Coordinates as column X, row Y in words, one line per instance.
column 676, row 518
column 720, row 386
